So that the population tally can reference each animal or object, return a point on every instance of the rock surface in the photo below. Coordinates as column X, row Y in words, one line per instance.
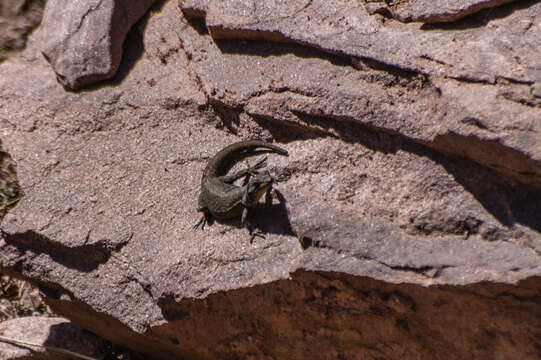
column 84, row 39
column 410, row 226
column 51, row 333
column 430, row 11
column 480, row 83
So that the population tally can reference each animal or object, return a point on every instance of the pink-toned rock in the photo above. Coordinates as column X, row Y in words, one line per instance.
column 83, row 39
column 473, row 84
column 410, row 224
column 431, row 11
column 49, row 332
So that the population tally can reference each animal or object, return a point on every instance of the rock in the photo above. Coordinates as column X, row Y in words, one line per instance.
column 51, row 333
column 428, row 11
column 409, row 224
column 83, row 40
column 472, row 82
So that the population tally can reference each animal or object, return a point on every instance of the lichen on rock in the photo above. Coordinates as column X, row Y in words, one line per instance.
column 10, row 190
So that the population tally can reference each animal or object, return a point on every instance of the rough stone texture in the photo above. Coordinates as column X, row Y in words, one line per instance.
column 480, row 83
column 337, row 316
column 410, row 226
column 84, row 38
column 430, row 11
column 51, row 332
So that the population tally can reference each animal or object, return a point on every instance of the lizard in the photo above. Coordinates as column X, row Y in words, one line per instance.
column 220, row 198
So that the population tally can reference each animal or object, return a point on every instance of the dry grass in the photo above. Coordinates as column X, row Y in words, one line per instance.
column 19, row 298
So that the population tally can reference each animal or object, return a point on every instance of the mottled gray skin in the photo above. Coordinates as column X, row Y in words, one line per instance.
column 220, row 198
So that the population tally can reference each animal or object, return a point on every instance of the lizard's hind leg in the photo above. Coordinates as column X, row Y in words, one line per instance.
column 205, row 219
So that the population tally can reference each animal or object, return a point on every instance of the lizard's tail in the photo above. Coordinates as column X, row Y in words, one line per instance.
column 229, row 155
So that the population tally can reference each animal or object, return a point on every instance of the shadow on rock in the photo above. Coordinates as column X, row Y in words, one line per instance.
column 508, row 200
column 84, row 258
column 482, row 18
column 270, row 218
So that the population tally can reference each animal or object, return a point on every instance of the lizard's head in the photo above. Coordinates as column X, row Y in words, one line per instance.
column 258, row 185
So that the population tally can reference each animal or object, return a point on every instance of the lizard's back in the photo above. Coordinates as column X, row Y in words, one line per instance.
column 221, row 199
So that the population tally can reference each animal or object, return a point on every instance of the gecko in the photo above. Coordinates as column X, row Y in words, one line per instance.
column 220, row 198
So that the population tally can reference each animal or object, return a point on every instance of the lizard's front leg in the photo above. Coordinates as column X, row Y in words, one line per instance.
column 254, row 231
column 202, row 222
column 250, row 170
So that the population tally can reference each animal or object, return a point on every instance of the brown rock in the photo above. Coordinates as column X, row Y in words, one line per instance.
column 51, row 333
column 83, row 39
column 431, row 11
column 322, row 315
column 389, row 244
column 471, row 83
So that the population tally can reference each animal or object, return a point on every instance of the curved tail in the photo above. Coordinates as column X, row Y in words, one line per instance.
column 229, row 155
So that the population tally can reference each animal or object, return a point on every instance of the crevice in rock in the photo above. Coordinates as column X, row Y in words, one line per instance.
column 361, row 63
column 492, row 154
column 475, row 122
column 504, row 80
column 522, row 99
column 431, row 272
column 471, row 80
column 509, row 84
column 478, row 15
column 83, row 258
column 449, row 16
column 230, row 113
column 287, row 131
column 487, row 170
column 85, row 16
column 426, row 271
column 263, row 44
column 145, row 286
column 264, row 47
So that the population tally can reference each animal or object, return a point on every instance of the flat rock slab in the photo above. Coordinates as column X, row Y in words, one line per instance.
column 413, row 194
column 476, row 90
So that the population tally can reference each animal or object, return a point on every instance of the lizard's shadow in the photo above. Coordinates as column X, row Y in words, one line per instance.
column 273, row 218
column 270, row 218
